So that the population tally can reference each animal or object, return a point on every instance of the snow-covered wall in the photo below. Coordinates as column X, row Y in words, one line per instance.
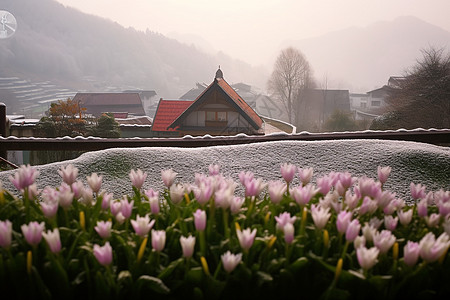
column 410, row 162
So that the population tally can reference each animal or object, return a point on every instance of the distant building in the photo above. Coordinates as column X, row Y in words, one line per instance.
column 218, row 110
column 246, row 92
column 149, row 100
column 98, row 103
column 267, row 107
column 371, row 104
column 317, row 105
column 194, row 92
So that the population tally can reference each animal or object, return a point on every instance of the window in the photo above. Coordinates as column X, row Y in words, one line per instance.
column 363, row 104
column 376, row 103
column 220, row 116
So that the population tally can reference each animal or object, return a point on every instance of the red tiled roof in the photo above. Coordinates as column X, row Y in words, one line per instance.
column 167, row 112
column 239, row 101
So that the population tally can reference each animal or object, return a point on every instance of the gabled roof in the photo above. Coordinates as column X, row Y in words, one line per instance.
column 167, row 112
column 233, row 98
column 97, row 103
column 108, row 98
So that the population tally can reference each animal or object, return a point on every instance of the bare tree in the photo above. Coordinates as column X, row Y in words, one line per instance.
column 422, row 98
column 290, row 77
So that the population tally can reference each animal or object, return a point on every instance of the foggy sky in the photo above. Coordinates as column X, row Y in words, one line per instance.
column 253, row 30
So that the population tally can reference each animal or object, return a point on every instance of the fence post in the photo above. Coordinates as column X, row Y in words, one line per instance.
column 3, row 126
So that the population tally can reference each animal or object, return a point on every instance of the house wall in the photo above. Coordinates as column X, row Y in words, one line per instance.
column 359, row 101
column 198, row 118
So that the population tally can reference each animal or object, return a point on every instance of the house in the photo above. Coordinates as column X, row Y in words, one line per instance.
column 218, row 110
column 377, row 97
column 267, row 107
column 98, row 103
column 166, row 113
column 149, row 100
column 194, row 92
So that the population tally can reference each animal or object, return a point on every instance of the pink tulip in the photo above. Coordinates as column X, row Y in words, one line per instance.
column 168, row 177
column 203, row 191
column 106, row 200
column 431, row 249
column 154, row 205
column 213, row 170
column 246, row 238
column 103, row 254
column 288, row 172
column 303, row 194
column 200, row 220
column 245, row 176
column 343, row 220
column 383, row 173
column 276, row 191
column 158, row 240
column 417, row 191
column 367, row 258
column 137, row 178
column 142, row 225
column 95, row 182
column 236, row 204
column 176, row 192
column 5, row 233
column 288, row 231
column 390, row 223
column 103, row 229
column 24, row 177
column 305, row 175
column 49, row 209
column 384, row 240
column 53, row 240
column 411, row 253
column 320, row 216
column 253, row 187
column 33, row 232
column 230, row 261
column 126, row 208
column 69, row 174
column 405, row 217
column 283, row 219
column 187, row 245
column 352, row 231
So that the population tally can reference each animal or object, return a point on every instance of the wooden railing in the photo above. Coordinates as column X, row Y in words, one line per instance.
column 433, row 136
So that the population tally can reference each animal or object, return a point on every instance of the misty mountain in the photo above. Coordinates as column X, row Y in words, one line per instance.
column 361, row 59
column 84, row 52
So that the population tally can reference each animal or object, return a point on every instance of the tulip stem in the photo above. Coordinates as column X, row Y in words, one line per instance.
column 226, row 228
column 202, row 243
column 345, row 249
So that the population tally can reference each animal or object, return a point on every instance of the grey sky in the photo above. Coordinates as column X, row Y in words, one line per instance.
column 252, row 30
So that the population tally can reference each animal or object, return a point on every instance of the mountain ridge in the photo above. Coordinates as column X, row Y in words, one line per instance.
column 365, row 57
column 60, row 43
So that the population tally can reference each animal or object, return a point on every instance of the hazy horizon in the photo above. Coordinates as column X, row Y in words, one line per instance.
column 254, row 30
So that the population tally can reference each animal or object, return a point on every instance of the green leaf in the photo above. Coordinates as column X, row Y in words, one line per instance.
column 195, row 275
column 298, row 264
column 124, row 275
column 264, row 277
column 43, row 291
column 170, row 268
column 335, row 293
column 152, row 283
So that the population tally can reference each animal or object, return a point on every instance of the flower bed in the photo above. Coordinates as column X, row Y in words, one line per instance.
column 342, row 237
